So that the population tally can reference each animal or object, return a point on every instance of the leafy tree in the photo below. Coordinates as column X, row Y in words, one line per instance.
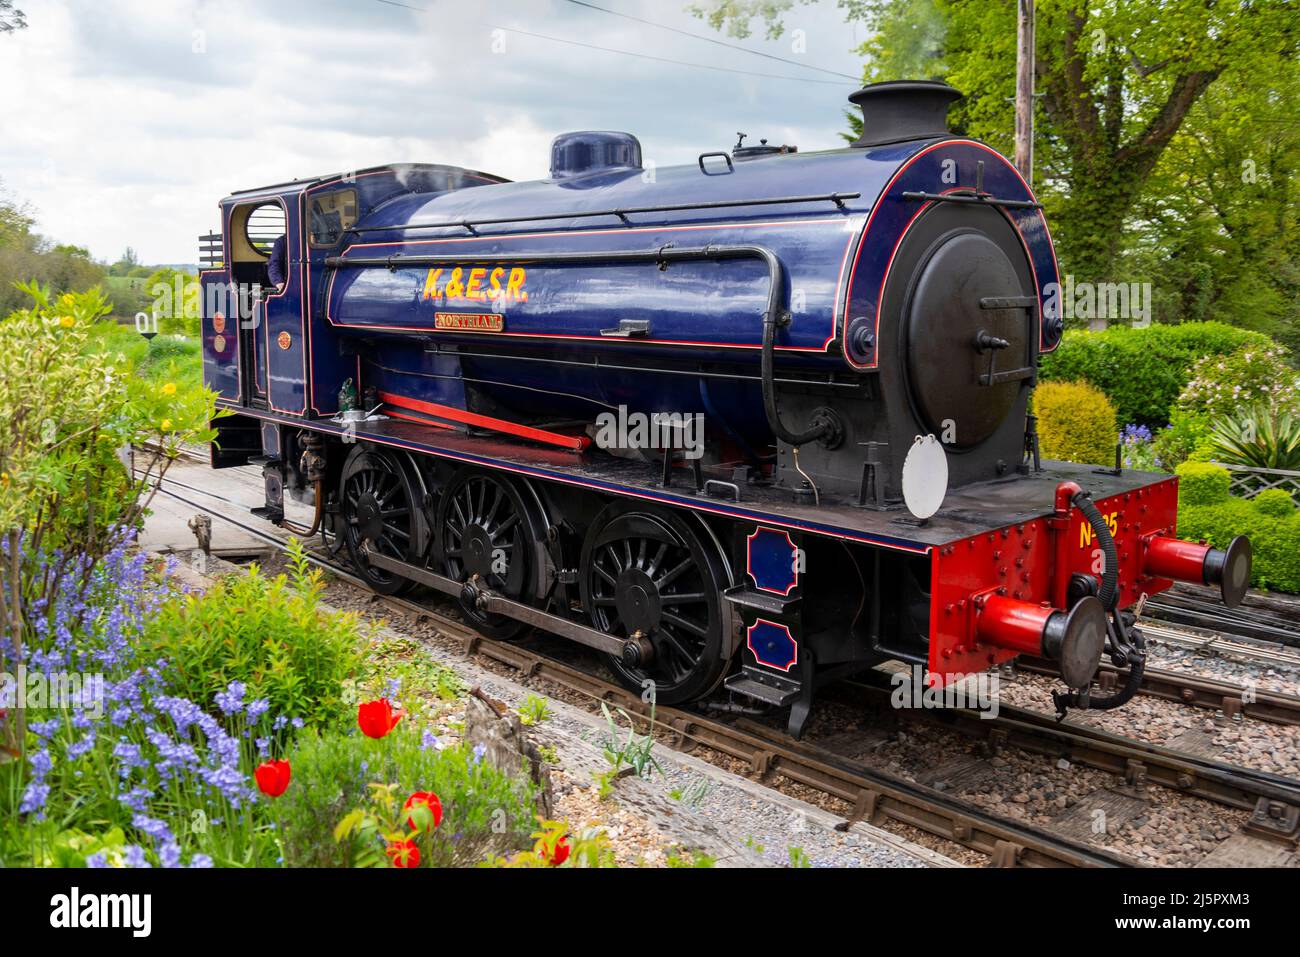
column 15, row 222
column 124, row 266
column 1218, row 221
column 1143, row 125
column 26, row 256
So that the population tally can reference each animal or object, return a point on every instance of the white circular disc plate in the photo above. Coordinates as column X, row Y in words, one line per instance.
column 925, row 476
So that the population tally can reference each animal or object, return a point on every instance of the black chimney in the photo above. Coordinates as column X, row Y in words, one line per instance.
column 901, row 110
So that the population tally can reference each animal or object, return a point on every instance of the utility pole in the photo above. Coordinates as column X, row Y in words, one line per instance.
column 1025, row 90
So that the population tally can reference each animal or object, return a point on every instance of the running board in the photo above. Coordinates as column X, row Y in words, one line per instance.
column 634, row 652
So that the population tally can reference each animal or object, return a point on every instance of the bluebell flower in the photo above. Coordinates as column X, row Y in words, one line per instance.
column 256, row 709
column 134, row 856
column 34, row 799
column 156, row 829
column 80, row 749
column 479, row 751
column 231, row 701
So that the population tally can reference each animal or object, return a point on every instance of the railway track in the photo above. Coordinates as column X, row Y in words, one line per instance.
column 1196, row 691
column 1260, row 617
column 1137, row 762
column 873, row 796
column 878, row 797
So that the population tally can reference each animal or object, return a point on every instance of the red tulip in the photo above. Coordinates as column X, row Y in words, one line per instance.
column 424, row 799
column 272, row 777
column 559, row 854
column 404, row 853
column 377, row 718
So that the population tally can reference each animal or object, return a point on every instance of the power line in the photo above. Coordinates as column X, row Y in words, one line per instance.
column 639, row 56
column 713, row 40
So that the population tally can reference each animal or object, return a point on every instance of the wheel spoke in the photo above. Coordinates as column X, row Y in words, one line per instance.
column 677, row 572
column 679, row 622
column 618, row 560
column 685, row 598
column 657, row 562
column 496, row 504
column 683, row 656
column 504, row 527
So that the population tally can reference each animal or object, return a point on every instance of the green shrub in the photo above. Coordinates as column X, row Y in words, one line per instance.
column 1076, row 423
column 1276, row 502
column 1220, row 386
column 269, row 634
column 1200, row 483
column 485, row 812
column 1187, row 437
column 1274, row 541
column 1142, row 370
column 65, row 410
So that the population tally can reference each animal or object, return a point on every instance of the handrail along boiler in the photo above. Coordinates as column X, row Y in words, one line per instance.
column 796, row 349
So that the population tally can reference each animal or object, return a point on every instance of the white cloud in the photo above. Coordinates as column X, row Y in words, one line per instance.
column 121, row 134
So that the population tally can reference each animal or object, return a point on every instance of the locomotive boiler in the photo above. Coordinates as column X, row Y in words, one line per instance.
column 743, row 425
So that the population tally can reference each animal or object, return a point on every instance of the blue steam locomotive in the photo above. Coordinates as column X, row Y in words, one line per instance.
column 742, row 425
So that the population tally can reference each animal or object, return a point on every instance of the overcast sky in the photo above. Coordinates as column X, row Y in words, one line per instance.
column 123, row 122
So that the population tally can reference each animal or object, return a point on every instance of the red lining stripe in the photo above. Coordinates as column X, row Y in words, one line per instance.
column 574, row 442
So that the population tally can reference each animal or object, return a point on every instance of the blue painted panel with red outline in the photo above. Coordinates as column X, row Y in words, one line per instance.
column 772, row 645
column 772, row 561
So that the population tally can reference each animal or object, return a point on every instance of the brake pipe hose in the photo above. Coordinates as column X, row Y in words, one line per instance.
column 1109, row 593
column 1123, row 646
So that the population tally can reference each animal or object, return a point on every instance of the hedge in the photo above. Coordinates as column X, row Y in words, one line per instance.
column 1076, row 423
column 1271, row 522
column 1142, row 370
column 1200, row 483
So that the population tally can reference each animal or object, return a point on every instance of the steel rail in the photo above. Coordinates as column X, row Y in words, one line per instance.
column 1194, row 690
column 1137, row 762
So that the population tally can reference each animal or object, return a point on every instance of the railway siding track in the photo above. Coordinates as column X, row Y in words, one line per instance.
column 1231, row 699
column 1274, row 800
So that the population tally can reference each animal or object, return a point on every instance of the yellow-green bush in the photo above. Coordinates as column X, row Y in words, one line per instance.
column 1200, row 483
column 1274, row 539
column 1276, row 502
column 1076, row 422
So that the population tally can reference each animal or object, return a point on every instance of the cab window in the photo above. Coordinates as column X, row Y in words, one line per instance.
column 331, row 215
